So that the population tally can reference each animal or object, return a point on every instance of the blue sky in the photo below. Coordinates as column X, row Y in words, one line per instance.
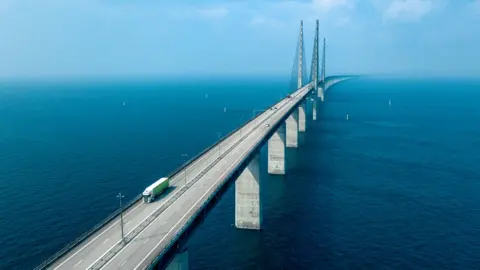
column 147, row 37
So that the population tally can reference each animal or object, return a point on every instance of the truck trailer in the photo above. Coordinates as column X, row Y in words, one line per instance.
column 155, row 189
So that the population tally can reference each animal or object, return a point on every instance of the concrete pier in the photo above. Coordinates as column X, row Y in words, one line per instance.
column 248, row 208
column 314, row 109
column 180, row 262
column 291, row 124
column 302, row 117
column 276, row 152
column 320, row 92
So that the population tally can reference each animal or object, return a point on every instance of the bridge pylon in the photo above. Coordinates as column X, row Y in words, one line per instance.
column 300, row 58
column 314, row 73
column 322, row 88
column 299, row 76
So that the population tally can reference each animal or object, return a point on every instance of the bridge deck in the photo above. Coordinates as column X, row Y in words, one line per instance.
column 150, row 228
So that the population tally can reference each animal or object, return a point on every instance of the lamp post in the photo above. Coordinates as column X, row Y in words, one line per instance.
column 185, row 171
column 120, row 197
column 254, row 111
column 219, row 143
column 241, row 129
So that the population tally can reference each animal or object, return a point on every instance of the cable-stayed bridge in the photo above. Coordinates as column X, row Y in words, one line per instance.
column 155, row 234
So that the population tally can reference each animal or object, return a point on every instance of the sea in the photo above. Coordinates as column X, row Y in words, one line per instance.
column 394, row 186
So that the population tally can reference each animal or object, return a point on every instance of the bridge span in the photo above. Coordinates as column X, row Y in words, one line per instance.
column 156, row 233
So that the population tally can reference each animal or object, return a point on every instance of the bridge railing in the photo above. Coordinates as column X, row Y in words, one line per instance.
column 116, row 213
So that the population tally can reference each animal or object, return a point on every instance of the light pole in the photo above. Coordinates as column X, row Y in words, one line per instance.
column 185, row 171
column 120, row 196
column 254, row 111
column 241, row 129
column 219, row 143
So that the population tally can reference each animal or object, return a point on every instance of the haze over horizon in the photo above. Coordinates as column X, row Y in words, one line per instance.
column 54, row 38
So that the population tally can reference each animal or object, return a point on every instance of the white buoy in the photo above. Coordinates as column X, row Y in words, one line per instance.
column 389, row 103
column 347, row 116
column 206, row 95
column 123, row 104
column 224, row 109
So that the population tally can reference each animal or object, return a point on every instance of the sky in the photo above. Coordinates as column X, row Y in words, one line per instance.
column 57, row 38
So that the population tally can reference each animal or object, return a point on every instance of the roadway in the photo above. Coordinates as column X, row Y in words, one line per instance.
column 149, row 228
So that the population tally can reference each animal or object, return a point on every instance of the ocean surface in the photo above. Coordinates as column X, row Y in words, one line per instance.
column 393, row 187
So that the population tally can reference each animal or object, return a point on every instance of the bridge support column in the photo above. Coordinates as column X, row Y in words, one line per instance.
column 320, row 92
column 180, row 262
column 292, row 129
column 248, row 208
column 276, row 152
column 314, row 109
column 302, row 117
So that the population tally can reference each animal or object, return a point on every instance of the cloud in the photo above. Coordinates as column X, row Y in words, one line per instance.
column 476, row 6
column 260, row 20
column 342, row 21
column 5, row 5
column 214, row 12
column 290, row 12
column 328, row 5
column 315, row 6
column 407, row 10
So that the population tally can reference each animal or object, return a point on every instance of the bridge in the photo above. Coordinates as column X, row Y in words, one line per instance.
column 155, row 234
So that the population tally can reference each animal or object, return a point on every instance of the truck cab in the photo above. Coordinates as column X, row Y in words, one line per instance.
column 146, row 195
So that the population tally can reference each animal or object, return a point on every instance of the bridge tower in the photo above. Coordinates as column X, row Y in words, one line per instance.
column 314, row 72
column 292, row 122
column 302, row 113
column 324, row 60
column 322, row 88
column 300, row 58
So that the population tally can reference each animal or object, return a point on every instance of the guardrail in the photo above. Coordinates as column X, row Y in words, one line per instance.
column 110, row 217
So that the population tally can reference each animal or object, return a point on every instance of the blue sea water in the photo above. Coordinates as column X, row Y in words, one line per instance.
column 394, row 187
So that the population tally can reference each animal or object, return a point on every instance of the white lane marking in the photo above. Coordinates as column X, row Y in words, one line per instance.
column 116, row 243
column 78, row 263
column 195, row 204
column 123, row 263
column 106, row 240
column 146, row 241
column 91, row 241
